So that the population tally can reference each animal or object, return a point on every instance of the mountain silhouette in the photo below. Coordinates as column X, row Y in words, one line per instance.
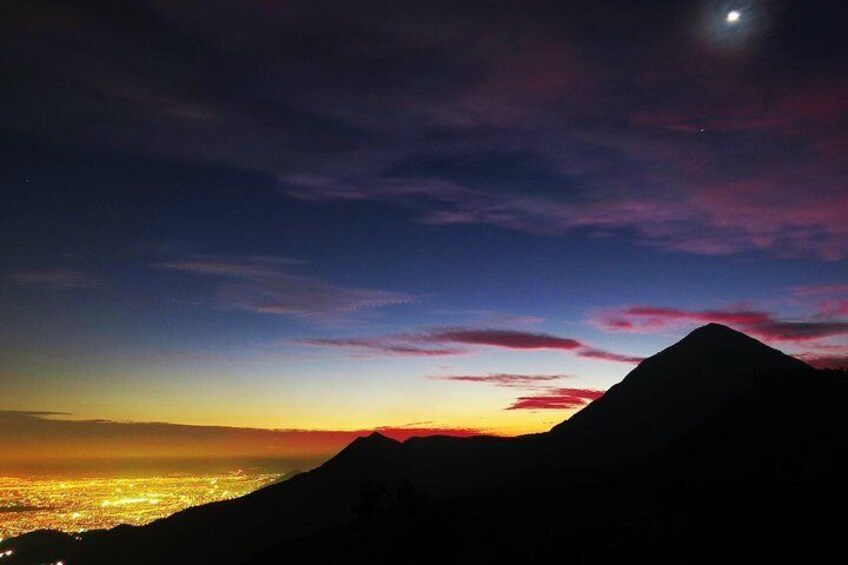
column 666, row 395
column 702, row 454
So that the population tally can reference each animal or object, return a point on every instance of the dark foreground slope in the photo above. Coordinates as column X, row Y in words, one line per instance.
column 351, row 485
column 715, row 441
column 762, row 481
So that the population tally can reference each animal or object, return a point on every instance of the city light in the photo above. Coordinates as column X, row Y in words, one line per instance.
column 78, row 505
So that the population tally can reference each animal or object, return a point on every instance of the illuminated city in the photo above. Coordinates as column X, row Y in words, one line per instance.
column 76, row 505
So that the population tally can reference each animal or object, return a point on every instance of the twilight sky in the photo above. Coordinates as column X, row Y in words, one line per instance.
column 455, row 215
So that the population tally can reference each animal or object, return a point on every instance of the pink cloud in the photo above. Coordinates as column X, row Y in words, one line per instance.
column 835, row 308
column 548, row 398
column 826, row 356
column 557, row 399
column 824, row 361
column 830, row 300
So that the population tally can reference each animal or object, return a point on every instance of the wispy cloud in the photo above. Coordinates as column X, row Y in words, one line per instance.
column 56, row 279
column 557, row 399
column 459, row 340
column 509, row 380
column 609, row 356
column 271, row 285
column 821, row 290
column 825, row 360
column 544, row 397
column 826, row 355
column 831, row 300
column 400, row 344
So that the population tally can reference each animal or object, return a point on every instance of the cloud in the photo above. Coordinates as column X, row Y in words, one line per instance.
column 608, row 355
column 55, row 279
column 830, row 300
column 549, row 398
column 557, row 399
column 517, row 340
column 826, row 355
column 269, row 285
column 45, row 436
column 759, row 323
column 507, row 339
column 826, row 361
column 457, row 340
column 509, row 380
column 495, row 318
column 821, row 290
column 834, row 308
column 521, row 117
column 386, row 345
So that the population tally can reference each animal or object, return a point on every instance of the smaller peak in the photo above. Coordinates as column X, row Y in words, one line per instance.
column 372, row 440
column 377, row 437
column 366, row 452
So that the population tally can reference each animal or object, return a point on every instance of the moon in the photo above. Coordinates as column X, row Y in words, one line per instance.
column 733, row 16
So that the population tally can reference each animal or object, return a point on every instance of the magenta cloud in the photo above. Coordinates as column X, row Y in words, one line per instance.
column 557, row 399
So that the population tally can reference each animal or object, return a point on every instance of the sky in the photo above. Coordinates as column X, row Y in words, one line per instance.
column 423, row 217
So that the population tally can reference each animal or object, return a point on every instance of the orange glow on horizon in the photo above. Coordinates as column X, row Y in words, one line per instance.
column 35, row 438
